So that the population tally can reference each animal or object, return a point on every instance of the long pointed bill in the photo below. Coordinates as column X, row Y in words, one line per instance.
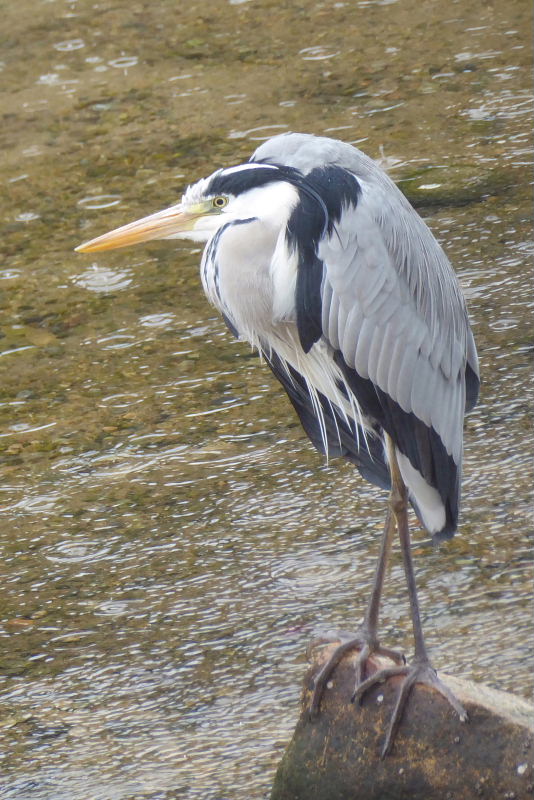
column 166, row 224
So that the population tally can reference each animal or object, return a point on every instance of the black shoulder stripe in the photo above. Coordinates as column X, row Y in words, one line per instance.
column 308, row 298
column 323, row 194
column 337, row 188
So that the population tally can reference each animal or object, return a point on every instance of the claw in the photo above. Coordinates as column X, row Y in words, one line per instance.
column 415, row 673
column 323, row 676
column 359, row 641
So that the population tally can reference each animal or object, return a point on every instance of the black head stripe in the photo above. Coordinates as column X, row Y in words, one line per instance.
column 235, row 182
column 330, row 189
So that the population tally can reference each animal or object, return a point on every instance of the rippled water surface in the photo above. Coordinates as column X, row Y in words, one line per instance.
column 170, row 542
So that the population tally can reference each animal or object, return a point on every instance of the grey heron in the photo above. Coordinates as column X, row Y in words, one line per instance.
column 316, row 258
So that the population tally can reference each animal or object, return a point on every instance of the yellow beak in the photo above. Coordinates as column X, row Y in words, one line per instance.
column 167, row 224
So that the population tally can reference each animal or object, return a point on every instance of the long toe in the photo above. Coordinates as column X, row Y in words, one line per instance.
column 323, row 676
column 380, row 676
column 367, row 647
column 374, row 649
column 422, row 673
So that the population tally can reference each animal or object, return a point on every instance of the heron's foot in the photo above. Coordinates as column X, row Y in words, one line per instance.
column 366, row 643
column 418, row 672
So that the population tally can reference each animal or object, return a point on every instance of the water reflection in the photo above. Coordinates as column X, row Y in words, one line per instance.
column 123, row 62
column 317, row 53
column 69, row 45
column 101, row 279
column 100, row 201
column 235, row 99
column 157, row 320
column 25, row 427
column 258, row 134
column 75, row 551
column 27, row 216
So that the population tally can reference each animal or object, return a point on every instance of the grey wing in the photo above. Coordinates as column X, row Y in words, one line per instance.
column 393, row 312
column 391, row 305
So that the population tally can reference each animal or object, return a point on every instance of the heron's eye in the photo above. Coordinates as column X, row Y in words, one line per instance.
column 219, row 202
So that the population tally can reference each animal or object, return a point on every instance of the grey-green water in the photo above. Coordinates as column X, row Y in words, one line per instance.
column 170, row 542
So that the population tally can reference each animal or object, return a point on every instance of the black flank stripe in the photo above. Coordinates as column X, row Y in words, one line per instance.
column 472, row 386
column 342, row 440
column 418, row 442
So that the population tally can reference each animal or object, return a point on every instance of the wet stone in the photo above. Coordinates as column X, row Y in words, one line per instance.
column 336, row 756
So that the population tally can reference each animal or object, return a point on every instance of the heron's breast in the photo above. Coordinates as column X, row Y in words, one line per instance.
column 237, row 278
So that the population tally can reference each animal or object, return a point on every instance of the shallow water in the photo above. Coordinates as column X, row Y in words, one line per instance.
column 170, row 545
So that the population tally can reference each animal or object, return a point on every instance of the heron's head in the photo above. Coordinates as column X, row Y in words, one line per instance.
column 233, row 195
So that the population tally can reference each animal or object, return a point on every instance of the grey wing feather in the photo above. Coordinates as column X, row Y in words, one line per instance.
column 399, row 318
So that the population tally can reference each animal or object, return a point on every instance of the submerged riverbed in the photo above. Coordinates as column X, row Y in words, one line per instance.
column 170, row 541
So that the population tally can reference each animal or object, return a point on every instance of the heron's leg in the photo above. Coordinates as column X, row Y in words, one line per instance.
column 369, row 627
column 366, row 637
column 399, row 503
column 421, row 671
